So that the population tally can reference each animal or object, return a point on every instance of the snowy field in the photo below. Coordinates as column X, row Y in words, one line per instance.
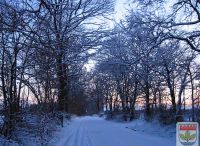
column 95, row 131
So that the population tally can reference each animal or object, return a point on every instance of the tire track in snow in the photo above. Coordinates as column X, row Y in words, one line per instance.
column 90, row 131
column 87, row 141
column 76, row 135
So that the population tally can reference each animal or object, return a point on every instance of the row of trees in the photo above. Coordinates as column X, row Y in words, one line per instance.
column 149, row 60
column 146, row 60
column 44, row 45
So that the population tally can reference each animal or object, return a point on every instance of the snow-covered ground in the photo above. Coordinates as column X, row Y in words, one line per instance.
column 33, row 130
column 95, row 131
column 5, row 142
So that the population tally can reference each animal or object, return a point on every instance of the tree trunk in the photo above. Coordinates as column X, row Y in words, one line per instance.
column 147, row 97
column 171, row 89
column 183, row 85
column 192, row 96
column 132, row 106
column 62, row 96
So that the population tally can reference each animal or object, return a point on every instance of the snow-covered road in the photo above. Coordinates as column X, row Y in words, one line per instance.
column 94, row 131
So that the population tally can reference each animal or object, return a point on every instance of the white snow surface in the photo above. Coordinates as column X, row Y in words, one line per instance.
column 95, row 131
column 5, row 142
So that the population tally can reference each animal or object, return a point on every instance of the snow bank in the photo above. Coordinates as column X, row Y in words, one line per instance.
column 153, row 128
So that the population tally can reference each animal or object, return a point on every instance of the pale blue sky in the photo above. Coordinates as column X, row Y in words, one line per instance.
column 120, row 12
column 120, row 9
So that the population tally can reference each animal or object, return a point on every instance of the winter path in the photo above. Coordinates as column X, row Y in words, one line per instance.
column 94, row 131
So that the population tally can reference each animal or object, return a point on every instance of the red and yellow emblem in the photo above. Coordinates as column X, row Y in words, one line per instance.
column 187, row 134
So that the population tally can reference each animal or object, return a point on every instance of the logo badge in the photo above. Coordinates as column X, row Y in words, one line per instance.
column 187, row 134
